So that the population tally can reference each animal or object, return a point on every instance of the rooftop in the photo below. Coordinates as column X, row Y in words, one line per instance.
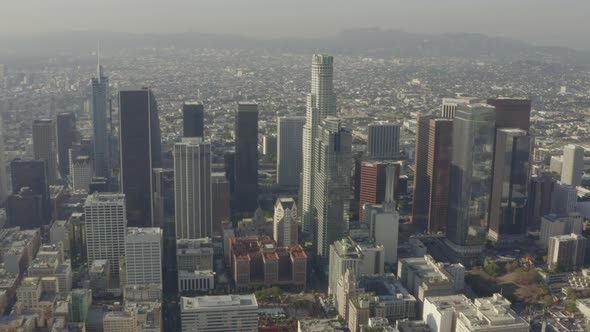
column 220, row 301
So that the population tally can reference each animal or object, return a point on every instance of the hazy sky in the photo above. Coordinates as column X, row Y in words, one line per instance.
column 547, row 22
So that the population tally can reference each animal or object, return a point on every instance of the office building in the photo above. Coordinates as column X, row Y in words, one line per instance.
column 192, row 188
column 360, row 258
column 449, row 105
column 556, row 164
column 555, row 225
column 140, row 153
column 258, row 261
column 434, row 138
column 289, row 150
column 372, row 182
column 540, row 195
column 512, row 112
column 33, row 175
column 193, row 119
column 105, row 220
column 25, row 209
column 219, row 313
column 269, row 145
column 120, row 321
column 458, row 313
column 60, row 233
column 220, row 201
column 573, row 165
column 3, row 176
column 79, row 304
column 470, row 181
column 163, row 195
column 383, row 141
column 566, row 252
column 331, row 195
column 246, row 157
column 38, row 296
column 45, row 147
column 510, row 183
column 564, row 199
column 285, row 222
column 81, row 172
column 321, row 102
column 100, row 112
column 66, row 136
column 194, row 259
column 143, row 256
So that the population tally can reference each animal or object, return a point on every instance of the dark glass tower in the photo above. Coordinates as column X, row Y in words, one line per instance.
column 246, row 158
column 100, row 109
column 66, row 136
column 192, row 119
column 512, row 112
column 32, row 174
column 471, row 174
column 140, row 153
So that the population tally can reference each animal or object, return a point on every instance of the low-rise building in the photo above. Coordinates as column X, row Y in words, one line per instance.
column 219, row 313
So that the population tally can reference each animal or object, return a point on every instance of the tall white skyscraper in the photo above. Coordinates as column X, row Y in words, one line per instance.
column 143, row 256
column 383, row 141
column 192, row 188
column 106, row 227
column 45, row 146
column 3, row 175
column 331, row 196
column 285, row 222
column 321, row 102
column 573, row 165
column 289, row 149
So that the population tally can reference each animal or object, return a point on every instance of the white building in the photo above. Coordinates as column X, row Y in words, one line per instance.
column 556, row 164
column 573, row 165
column 192, row 188
column 321, row 102
column 106, row 224
column 81, row 170
column 285, row 229
column 120, row 321
column 219, row 313
column 45, row 146
column 383, row 141
column 289, row 149
column 198, row 280
column 143, row 256
column 554, row 225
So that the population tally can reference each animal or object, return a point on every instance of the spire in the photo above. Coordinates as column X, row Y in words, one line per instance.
column 389, row 202
column 99, row 74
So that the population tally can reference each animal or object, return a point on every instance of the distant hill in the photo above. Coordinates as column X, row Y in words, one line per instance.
column 364, row 42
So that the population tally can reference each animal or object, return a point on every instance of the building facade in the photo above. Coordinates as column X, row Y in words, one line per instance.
column 100, row 113
column 143, row 256
column 573, row 165
column 289, row 150
column 246, row 157
column 193, row 119
column 45, row 146
column 219, row 313
column 383, row 141
column 285, row 222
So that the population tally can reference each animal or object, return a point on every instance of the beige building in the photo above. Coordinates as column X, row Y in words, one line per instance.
column 120, row 321
column 285, row 226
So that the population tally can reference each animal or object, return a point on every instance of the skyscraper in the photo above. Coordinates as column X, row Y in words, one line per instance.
column 514, row 112
column 383, row 141
column 434, row 138
column 246, row 158
column 510, row 183
column 45, row 146
column 220, row 198
column 573, row 165
column 540, row 194
column 331, row 195
column 289, row 149
column 321, row 102
column 105, row 229
column 100, row 110
column 163, row 195
column 32, row 174
column 449, row 105
column 373, row 181
column 81, row 173
column 140, row 152
column 3, row 176
column 285, row 230
column 143, row 256
column 192, row 188
column 66, row 136
column 470, row 182
column 192, row 119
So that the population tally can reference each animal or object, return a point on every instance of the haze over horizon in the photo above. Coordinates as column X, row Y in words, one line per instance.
column 551, row 23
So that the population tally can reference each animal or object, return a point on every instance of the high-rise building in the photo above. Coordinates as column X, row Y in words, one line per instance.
column 510, row 183
column 45, row 146
column 289, row 150
column 24, row 209
column 219, row 313
column 220, row 198
column 163, row 195
column 331, row 195
column 449, row 105
column 321, row 102
column 573, row 165
column 555, row 225
column 564, row 199
column 512, row 112
column 434, row 138
column 566, row 252
column 143, row 256
column 140, row 152
column 66, row 136
column 32, row 174
column 100, row 110
column 470, row 181
column 373, row 182
column 383, row 141
column 285, row 229
column 269, row 145
column 3, row 176
column 106, row 223
column 540, row 192
column 192, row 188
column 192, row 119
column 246, row 158
column 81, row 173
